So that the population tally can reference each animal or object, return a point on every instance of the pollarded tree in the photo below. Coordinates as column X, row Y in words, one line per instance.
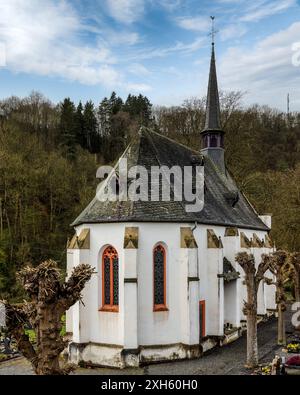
column 50, row 298
column 295, row 261
column 253, row 277
column 278, row 267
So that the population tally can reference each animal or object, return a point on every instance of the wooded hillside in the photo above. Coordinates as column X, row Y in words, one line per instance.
column 49, row 155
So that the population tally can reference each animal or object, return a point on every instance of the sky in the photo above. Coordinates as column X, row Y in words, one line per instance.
column 85, row 49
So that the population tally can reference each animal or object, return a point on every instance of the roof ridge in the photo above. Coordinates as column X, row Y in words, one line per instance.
column 222, row 176
column 172, row 140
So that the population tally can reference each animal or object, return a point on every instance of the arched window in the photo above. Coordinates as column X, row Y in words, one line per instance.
column 110, row 280
column 159, row 278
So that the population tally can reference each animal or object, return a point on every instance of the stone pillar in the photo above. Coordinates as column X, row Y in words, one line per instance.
column 215, row 295
column 81, row 319
column 232, row 291
column 189, row 289
column 130, row 351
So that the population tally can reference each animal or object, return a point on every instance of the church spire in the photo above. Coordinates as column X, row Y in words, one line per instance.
column 212, row 134
column 212, row 121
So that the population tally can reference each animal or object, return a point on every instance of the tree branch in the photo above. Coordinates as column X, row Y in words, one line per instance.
column 70, row 291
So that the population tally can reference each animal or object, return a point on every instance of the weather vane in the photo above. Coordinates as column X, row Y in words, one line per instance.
column 213, row 31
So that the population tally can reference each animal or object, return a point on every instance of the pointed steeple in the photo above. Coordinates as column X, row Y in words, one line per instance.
column 212, row 121
column 212, row 134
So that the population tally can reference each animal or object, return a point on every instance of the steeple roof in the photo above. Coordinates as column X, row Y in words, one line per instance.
column 212, row 121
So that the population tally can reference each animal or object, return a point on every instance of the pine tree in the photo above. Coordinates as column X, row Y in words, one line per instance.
column 91, row 128
column 115, row 103
column 104, row 117
column 67, row 128
column 140, row 108
column 79, row 126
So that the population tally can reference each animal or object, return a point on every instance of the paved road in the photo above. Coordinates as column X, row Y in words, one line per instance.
column 226, row 360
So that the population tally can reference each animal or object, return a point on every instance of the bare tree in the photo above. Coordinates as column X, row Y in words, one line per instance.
column 295, row 261
column 253, row 277
column 278, row 267
column 49, row 299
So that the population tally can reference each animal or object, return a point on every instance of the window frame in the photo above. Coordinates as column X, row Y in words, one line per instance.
column 160, row 307
column 110, row 307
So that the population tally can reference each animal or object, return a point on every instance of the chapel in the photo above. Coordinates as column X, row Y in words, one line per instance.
column 167, row 286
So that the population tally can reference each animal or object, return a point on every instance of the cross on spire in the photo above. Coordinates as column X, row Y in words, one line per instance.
column 213, row 30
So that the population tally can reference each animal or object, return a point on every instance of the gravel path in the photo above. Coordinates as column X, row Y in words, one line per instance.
column 226, row 360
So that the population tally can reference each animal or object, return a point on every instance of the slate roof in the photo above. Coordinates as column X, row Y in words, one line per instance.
column 223, row 203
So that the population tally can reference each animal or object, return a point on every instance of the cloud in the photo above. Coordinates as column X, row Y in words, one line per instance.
column 179, row 47
column 199, row 23
column 126, row 11
column 266, row 70
column 43, row 38
column 46, row 38
column 2, row 55
column 232, row 31
column 231, row 1
column 139, row 69
column 122, row 37
column 263, row 9
column 169, row 5
column 132, row 87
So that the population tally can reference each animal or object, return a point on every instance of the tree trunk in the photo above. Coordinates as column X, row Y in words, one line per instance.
column 281, row 325
column 251, row 313
column 49, row 300
column 252, row 347
column 297, row 285
column 253, row 277
column 51, row 346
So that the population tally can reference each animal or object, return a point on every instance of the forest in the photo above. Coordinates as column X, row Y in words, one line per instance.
column 49, row 154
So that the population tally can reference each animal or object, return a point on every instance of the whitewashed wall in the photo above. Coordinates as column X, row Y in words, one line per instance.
column 181, row 323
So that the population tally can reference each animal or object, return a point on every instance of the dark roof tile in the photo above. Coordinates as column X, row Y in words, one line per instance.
column 152, row 149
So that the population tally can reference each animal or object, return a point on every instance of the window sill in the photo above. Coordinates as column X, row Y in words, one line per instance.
column 160, row 308
column 110, row 309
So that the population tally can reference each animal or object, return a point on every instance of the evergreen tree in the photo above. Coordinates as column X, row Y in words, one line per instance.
column 140, row 108
column 104, row 117
column 115, row 103
column 67, row 128
column 91, row 128
column 79, row 126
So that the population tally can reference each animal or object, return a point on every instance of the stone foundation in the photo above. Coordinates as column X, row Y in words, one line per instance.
column 106, row 355
column 115, row 356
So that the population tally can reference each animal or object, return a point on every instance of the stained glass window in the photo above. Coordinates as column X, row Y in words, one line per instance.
column 159, row 274
column 106, row 280
column 110, row 280
column 115, row 281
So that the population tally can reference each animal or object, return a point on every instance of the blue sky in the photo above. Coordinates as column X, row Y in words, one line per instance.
column 84, row 49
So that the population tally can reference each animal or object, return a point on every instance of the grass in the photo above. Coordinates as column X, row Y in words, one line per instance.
column 32, row 336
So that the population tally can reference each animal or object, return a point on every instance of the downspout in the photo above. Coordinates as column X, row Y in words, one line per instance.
column 195, row 226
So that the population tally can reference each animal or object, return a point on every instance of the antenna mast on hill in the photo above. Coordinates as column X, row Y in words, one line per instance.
column 288, row 105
